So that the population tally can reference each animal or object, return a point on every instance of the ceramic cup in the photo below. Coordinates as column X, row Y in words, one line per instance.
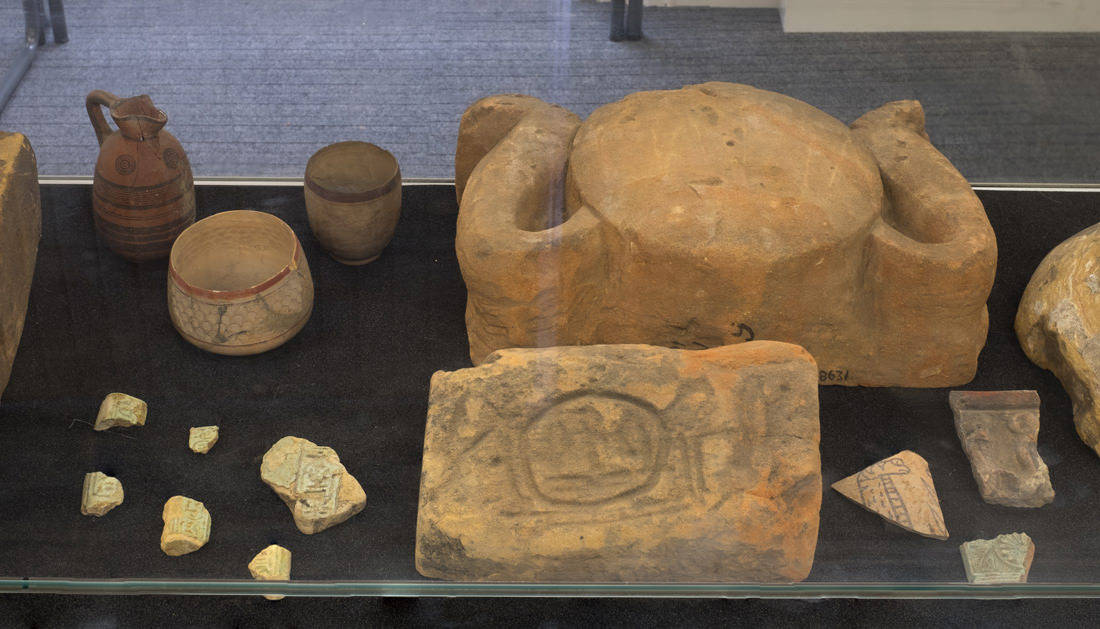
column 239, row 283
column 353, row 198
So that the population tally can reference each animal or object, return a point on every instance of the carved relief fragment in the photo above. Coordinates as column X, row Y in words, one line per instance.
column 186, row 526
column 1004, row 559
column 899, row 489
column 119, row 409
column 101, row 493
column 623, row 463
column 313, row 483
column 202, row 438
column 271, row 564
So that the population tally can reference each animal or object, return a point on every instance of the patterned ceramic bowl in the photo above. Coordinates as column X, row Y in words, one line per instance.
column 238, row 283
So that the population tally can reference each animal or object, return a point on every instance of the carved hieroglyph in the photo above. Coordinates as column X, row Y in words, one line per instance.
column 201, row 438
column 313, row 483
column 186, row 526
column 899, row 489
column 720, row 213
column 1004, row 559
column 101, row 494
column 119, row 409
column 623, row 463
column 271, row 564
column 999, row 431
column 20, row 231
column 1058, row 324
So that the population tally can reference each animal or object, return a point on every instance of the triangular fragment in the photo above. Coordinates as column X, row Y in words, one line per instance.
column 900, row 489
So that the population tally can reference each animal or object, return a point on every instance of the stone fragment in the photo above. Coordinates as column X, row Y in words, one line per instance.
column 202, row 438
column 186, row 526
column 271, row 564
column 311, row 481
column 716, row 214
column 1058, row 324
column 101, row 494
column 119, row 409
column 899, row 489
column 20, row 231
column 999, row 431
column 1004, row 559
column 623, row 463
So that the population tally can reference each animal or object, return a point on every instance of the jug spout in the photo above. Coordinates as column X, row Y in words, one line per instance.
column 137, row 118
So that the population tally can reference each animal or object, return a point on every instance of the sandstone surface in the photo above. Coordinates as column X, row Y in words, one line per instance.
column 20, row 231
column 201, row 438
column 1005, row 559
column 899, row 489
column 186, row 526
column 271, row 564
column 101, row 493
column 623, row 463
column 313, row 483
column 119, row 409
column 999, row 431
column 1058, row 324
column 718, row 214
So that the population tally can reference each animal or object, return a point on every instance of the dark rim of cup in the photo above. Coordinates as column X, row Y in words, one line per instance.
column 353, row 197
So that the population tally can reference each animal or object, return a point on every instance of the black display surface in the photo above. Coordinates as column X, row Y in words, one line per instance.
column 356, row 379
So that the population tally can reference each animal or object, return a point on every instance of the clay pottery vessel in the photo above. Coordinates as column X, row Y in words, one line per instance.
column 143, row 194
column 353, row 198
column 238, row 283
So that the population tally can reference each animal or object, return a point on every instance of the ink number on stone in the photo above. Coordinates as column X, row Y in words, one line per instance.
column 743, row 331
column 833, row 375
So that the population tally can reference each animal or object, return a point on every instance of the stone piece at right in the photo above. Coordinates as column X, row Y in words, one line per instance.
column 999, row 431
column 1058, row 324
column 313, row 483
column 101, row 494
column 900, row 489
column 1004, row 559
column 202, row 438
column 271, row 564
column 119, row 409
column 186, row 526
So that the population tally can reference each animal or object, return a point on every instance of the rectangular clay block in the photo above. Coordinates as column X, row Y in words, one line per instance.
column 20, row 230
column 623, row 463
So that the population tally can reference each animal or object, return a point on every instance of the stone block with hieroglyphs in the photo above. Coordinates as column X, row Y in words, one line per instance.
column 20, row 231
column 623, row 463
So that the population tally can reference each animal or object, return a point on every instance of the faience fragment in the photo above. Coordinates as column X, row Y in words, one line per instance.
column 1004, row 559
column 101, row 494
column 271, row 564
column 717, row 214
column 313, row 483
column 202, row 438
column 20, row 231
column 1058, row 324
column 900, row 490
column 999, row 431
column 119, row 409
column 623, row 463
column 186, row 526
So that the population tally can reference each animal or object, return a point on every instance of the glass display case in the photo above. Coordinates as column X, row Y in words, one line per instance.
column 252, row 91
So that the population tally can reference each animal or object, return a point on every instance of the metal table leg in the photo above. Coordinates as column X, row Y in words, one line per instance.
column 34, row 12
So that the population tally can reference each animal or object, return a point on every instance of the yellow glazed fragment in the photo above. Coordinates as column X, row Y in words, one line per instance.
column 186, row 526
column 101, row 494
column 271, row 564
column 202, row 438
column 119, row 409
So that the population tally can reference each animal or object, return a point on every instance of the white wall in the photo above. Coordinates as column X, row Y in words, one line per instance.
column 940, row 15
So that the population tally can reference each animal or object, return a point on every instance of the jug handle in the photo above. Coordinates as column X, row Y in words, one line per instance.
column 95, row 101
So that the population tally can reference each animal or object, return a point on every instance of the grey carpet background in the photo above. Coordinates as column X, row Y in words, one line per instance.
column 254, row 87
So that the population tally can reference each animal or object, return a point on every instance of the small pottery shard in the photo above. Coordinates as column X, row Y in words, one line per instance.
column 101, row 494
column 202, row 438
column 623, row 463
column 899, row 489
column 1004, row 559
column 20, row 231
column 999, row 431
column 119, row 409
column 1058, row 324
column 186, row 526
column 311, row 481
column 271, row 564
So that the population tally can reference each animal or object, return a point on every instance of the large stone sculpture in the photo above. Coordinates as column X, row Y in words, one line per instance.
column 20, row 231
column 623, row 463
column 1058, row 324
column 716, row 214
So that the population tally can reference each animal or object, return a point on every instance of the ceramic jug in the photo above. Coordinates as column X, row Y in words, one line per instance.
column 143, row 194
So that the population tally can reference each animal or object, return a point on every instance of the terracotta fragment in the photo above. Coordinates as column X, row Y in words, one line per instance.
column 999, row 431
column 623, row 463
column 1058, row 323
column 899, row 489
column 186, row 526
column 101, row 494
column 20, row 231
column 202, row 438
column 717, row 214
column 119, row 409
column 271, row 564
column 313, row 483
column 1004, row 559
